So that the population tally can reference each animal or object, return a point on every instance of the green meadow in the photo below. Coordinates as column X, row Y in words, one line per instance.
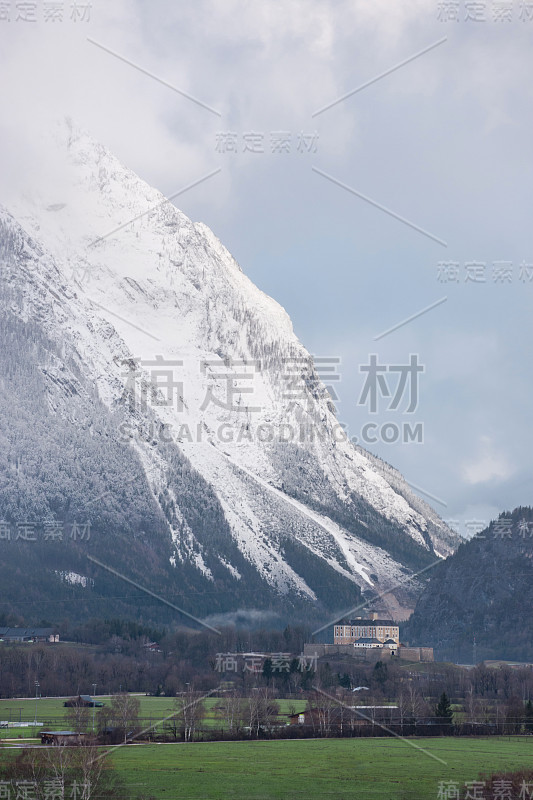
column 384, row 769
column 263, row 770
column 51, row 712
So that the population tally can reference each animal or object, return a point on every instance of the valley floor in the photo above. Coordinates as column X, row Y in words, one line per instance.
column 314, row 769
column 383, row 769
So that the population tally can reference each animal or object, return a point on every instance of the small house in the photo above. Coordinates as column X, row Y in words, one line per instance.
column 83, row 701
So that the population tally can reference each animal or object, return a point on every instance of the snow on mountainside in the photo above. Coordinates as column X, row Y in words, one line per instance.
column 205, row 377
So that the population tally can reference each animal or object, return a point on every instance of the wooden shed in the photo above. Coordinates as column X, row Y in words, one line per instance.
column 63, row 738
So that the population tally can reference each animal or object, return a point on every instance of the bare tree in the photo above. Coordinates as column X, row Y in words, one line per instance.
column 403, row 705
column 232, row 711
column 92, row 769
column 60, row 771
column 416, row 705
column 485, row 710
column 190, row 711
column 261, row 710
column 326, row 713
column 57, row 762
column 124, row 713
column 77, row 717
column 514, row 715
column 471, row 704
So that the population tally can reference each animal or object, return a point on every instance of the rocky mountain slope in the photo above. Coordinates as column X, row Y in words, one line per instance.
column 151, row 391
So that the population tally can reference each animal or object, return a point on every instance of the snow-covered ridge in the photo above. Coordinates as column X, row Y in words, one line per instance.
column 162, row 289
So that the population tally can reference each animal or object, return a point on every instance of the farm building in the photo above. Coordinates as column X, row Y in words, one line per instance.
column 29, row 635
column 63, row 738
column 83, row 700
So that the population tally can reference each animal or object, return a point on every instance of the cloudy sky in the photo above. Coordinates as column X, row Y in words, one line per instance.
column 412, row 193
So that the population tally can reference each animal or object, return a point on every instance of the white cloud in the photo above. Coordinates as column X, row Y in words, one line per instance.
column 442, row 141
column 489, row 464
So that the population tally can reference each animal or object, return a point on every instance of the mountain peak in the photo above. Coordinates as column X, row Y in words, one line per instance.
column 166, row 331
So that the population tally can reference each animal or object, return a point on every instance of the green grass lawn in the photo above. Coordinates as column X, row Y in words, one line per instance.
column 18, row 733
column 53, row 707
column 51, row 712
column 341, row 769
column 25, row 709
column 385, row 769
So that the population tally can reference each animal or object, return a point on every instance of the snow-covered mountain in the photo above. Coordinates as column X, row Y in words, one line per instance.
column 209, row 432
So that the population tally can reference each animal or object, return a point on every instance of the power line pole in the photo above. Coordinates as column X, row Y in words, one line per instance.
column 36, row 691
column 94, row 702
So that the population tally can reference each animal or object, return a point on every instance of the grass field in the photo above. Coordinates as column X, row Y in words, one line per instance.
column 385, row 768
column 343, row 769
column 51, row 712
column 53, row 707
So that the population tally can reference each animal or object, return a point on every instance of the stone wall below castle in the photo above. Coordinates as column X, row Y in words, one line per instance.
column 369, row 654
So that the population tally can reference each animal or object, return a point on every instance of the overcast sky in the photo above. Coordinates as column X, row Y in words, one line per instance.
column 441, row 145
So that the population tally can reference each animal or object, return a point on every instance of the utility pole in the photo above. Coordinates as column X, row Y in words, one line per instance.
column 474, row 652
column 94, row 702
column 36, row 695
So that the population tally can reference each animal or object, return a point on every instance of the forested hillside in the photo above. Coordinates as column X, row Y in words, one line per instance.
column 483, row 592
